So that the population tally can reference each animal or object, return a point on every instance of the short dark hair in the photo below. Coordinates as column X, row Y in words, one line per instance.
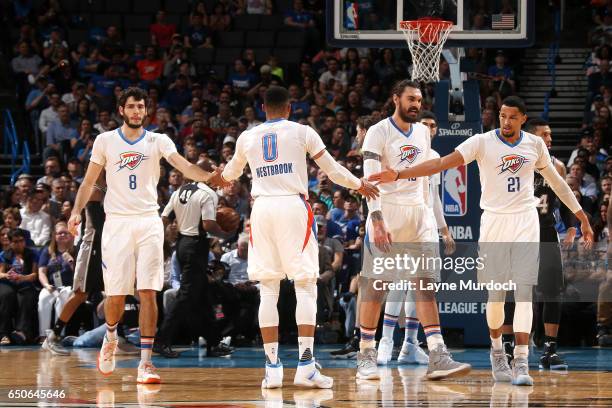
column 351, row 199
column 400, row 86
column 428, row 115
column 515, row 102
column 137, row 93
column 76, row 161
column 535, row 123
column 16, row 233
column 276, row 97
column 582, row 152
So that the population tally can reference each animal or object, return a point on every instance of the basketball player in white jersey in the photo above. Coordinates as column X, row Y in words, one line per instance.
column 133, row 234
column 283, row 237
column 410, row 352
column 400, row 226
column 509, row 230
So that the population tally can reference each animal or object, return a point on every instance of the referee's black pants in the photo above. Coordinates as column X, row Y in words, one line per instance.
column 192, row 304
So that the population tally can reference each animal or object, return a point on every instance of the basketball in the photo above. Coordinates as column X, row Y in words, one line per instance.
column 228, row 219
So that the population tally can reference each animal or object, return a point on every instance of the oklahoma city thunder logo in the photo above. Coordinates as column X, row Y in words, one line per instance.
column 512, row 163
column 131, row 160
column 409, row 153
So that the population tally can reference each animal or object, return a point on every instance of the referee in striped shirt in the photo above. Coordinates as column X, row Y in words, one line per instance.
column 194, row 206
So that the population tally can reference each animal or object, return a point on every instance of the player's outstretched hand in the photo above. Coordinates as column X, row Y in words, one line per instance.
column 386, row 176
column 73, row 223
column 367, row 189
column 587, row 235
column 216, row 180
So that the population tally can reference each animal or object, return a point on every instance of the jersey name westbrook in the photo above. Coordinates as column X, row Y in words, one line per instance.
column 275, row 169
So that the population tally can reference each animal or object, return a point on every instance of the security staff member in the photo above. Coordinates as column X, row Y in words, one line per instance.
column 191, row 203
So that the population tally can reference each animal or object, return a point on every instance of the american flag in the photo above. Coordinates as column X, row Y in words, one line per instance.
column 502, row 21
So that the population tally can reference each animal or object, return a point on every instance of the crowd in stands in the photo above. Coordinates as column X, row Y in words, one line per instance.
column 69, row 88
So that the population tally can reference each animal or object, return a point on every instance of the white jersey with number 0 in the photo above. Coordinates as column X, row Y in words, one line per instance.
column 399, row 150
column 276, row 153
column 132, row 170
column 506, row 170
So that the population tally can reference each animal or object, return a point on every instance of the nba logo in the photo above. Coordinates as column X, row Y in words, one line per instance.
column 351, row 16
column 454, row 191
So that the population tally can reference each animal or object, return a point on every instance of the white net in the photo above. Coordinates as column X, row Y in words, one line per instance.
column 425, row 40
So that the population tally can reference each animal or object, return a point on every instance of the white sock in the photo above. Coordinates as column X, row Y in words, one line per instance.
column 389, row 324
column 412, row 330
column 306, row 345
column 271, row 350
column 111, row 332
column 434, row 340
column 433, row 334
column 496, row 343
column 367, row 338
column 521, row 351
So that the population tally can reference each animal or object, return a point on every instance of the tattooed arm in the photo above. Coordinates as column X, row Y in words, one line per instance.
column 382, row 238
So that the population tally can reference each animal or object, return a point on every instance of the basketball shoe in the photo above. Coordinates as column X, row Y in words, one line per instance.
column 274, row 375
column 520, row 371
column 366, row 365
column 499, row 366
column 349, row 351
column 412, row 353
column 147, row 374
column 52, row 345
column 308, row 374
column 385, row 351
column 550, row 360
column 442, row 365
column 106, row 357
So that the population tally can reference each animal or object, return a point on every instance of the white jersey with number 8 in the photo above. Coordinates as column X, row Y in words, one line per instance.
column 132, row 170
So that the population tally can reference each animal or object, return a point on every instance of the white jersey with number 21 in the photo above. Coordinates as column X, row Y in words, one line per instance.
column 506, row 170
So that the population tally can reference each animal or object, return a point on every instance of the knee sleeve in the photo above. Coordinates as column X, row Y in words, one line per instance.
column 306, row 298
column 552, row 312
column 268, row 310
column 523, row 310
column 495, row 314
column 509, row 313
column 523, row 317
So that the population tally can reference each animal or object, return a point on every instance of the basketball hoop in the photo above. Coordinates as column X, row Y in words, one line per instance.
column 426, row 38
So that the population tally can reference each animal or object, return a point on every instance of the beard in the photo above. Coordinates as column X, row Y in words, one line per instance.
column 131, row 125
column 407, row 115
column 507, row 135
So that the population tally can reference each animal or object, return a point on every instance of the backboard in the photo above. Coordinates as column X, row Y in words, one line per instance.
column 477, row 23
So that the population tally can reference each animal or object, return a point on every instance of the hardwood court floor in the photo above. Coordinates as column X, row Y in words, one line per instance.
column 196, row 381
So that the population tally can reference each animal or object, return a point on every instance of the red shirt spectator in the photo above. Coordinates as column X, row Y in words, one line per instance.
column 150, row 68
column 162, row 32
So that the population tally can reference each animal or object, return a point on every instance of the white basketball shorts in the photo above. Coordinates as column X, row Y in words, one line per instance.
column 132, row 252
column 283, row 239
column 413, row 235
column 509, row 246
